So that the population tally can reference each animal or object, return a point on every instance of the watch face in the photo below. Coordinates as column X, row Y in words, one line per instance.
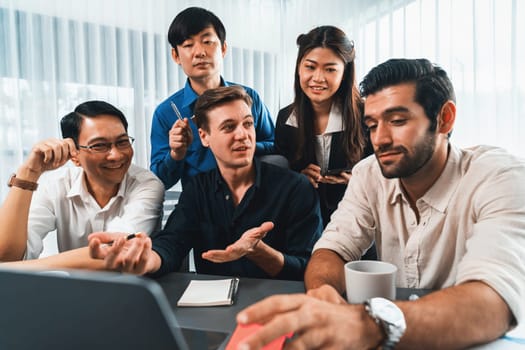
column 387, row 310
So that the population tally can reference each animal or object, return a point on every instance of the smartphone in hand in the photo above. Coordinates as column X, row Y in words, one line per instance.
column 336, row 171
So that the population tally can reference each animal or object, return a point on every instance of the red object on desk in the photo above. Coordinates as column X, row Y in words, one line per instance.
column 243, row 331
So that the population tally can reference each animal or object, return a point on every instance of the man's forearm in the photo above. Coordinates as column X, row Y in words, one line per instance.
column 456, row 317
column 267, row 258
column 72, row 259
column 325, row 267
column 14, row 215
column 13, row 231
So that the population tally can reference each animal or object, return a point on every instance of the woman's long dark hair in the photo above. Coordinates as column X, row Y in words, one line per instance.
column 347, row 97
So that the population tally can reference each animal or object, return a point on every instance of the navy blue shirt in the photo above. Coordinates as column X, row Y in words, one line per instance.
column 205, row 218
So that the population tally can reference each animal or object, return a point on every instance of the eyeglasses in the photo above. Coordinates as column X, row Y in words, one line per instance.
column 104, row 147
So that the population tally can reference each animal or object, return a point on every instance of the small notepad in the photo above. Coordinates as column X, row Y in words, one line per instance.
column 244, row 331
column 209, row 292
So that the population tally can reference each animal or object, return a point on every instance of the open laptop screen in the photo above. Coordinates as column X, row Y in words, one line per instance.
column 86, row 310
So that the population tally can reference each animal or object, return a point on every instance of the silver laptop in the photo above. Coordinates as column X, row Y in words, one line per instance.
column 91, row 310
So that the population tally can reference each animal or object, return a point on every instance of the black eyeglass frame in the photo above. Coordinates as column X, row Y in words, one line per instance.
column 105, row 147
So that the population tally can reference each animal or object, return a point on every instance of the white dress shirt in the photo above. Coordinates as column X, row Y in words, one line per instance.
column 471, row 226
column 63, row 203
column 323, row 141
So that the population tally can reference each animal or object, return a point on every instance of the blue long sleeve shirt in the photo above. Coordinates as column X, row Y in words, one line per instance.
column 205, row 218
column 198, row 158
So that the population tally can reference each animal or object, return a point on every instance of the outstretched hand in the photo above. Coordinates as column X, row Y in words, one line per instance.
column 244, row 245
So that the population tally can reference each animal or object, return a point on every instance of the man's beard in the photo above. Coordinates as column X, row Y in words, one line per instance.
column 409, row 165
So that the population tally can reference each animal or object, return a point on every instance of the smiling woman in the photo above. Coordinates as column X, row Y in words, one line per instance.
column 322, row 128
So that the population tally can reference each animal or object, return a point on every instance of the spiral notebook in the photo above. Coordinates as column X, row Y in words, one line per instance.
column 209, row 292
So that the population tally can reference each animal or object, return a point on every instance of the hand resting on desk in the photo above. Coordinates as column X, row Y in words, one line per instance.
column 327, row 293
column 317, row 324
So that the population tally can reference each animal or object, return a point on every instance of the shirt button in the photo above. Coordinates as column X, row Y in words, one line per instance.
column 227, row 197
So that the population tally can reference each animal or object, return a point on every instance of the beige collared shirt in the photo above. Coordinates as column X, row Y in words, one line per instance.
column 63, row 203
column 471, row 227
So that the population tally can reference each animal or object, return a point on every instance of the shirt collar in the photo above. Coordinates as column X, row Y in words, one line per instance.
column 440, row 193
column 218, row 180
column 397, row 192
column 257, row 164
column 122, row 187
column 79, row 187
column 335, row 120
column 292, row 119
column 190, row 96
column 220, row 183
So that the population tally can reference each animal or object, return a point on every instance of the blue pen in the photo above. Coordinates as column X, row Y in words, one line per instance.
column 514, row 339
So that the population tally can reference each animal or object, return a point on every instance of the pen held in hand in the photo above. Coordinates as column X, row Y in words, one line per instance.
column 128, row 237
column 176, row 110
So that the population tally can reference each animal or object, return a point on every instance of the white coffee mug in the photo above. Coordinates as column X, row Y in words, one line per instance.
column 365, row 279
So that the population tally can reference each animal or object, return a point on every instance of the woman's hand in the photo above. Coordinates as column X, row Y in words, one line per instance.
column 342, row 178
column 313, row 173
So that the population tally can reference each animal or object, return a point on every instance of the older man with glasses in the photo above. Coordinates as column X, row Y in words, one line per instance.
column 104, row 192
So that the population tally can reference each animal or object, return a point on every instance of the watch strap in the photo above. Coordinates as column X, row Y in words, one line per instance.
column 23, row 184
column 376, row 319
column 392, row 336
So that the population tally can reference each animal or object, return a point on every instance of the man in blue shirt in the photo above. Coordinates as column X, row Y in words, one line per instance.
column 244, row 218
column 197, row 37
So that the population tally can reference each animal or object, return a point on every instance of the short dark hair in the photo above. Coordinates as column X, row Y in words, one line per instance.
column 192, row 21
column 213, row 98
column 71, row 122
column 433, row 86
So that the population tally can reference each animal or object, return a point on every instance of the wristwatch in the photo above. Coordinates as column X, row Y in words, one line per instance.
column 390, row 317
column 23, row 184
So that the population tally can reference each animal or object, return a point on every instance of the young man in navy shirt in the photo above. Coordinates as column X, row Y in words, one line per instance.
column 244, row 218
